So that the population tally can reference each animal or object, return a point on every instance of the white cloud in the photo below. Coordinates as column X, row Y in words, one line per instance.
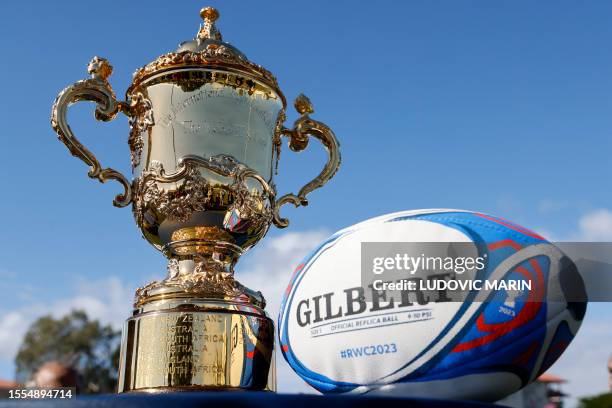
column 551, row 206
column 106, row 300
column 595, row 226
column 11, row 331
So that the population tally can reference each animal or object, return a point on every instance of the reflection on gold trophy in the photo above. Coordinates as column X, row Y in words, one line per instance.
column 205, row 136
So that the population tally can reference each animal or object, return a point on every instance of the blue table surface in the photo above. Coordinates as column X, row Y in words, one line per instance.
column 238, row 399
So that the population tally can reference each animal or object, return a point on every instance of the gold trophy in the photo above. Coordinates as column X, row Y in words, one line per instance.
column 205, row 137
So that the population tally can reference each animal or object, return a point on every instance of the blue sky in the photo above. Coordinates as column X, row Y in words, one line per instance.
column 503, row 107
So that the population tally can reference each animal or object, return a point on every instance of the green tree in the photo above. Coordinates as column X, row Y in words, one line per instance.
column 598, row 401
column 91, row 348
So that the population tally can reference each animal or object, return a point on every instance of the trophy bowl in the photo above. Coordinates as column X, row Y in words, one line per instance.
column 205, row 138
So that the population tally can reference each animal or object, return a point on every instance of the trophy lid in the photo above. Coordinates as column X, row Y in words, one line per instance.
column 207, row 50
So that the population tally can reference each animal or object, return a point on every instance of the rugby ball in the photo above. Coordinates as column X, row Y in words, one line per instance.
column 483, row 345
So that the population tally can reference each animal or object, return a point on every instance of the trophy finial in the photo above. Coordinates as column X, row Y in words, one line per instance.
column 208, row 29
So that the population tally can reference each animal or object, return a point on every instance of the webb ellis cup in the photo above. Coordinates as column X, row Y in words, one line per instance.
column 205, row 138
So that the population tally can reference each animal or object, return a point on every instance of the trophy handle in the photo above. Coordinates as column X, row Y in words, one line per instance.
column 96, row 89
column 298, row 141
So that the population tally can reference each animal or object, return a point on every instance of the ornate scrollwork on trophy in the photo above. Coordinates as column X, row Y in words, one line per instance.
column 298, row 141
column 204, row 280
column 173, row 268
column 208, row 278
column 140, row 122
column 277, row 140
column 96, row 89
column 196, row 193
column 213, row 54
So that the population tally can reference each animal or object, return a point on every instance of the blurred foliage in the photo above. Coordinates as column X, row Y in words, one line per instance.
column 598, row 401
column 91, row 348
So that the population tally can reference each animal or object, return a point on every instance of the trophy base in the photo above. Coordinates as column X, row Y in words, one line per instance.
column 197, row 344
